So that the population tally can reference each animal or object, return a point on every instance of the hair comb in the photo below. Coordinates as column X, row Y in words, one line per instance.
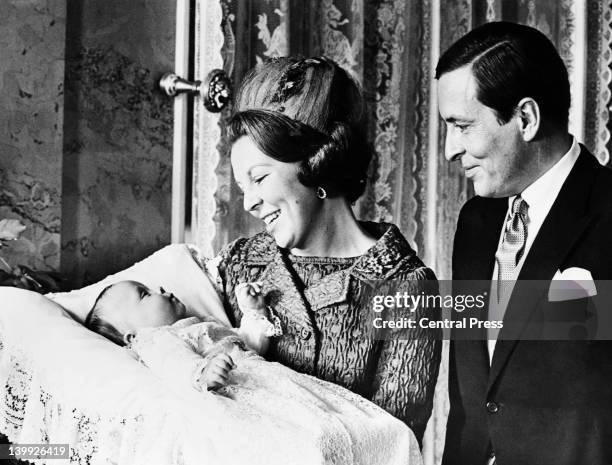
column 292, row 81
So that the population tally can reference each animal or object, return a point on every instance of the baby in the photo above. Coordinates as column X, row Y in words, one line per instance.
column 126, row 309
column 243, row 394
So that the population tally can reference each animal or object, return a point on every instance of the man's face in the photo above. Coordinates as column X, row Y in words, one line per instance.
column 492, row 154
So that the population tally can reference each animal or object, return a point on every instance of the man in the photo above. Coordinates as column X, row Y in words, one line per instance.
column 543, row 205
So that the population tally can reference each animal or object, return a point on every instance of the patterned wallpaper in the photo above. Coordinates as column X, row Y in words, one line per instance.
column 118, row 135
column 85, row 135
column 31, row 97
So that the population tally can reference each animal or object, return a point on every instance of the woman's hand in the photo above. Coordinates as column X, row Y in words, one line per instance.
column 215, row 374
column 249, row 297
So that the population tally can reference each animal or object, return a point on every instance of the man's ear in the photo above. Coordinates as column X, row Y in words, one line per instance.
column 128, row 338
column 528, row 112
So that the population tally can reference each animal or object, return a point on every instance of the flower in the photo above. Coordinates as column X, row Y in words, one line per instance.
column 10, row 229
column 21, row 276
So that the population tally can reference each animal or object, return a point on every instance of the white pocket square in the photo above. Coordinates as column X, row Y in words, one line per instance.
column 572, row 283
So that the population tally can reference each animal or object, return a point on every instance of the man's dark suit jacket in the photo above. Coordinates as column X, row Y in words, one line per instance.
column 540, row 402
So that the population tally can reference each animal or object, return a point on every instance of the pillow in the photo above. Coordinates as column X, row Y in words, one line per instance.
column 67, row 385
column 51, row 344
column 172, row 268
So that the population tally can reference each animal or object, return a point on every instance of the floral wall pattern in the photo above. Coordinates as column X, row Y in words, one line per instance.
column 118, row 136
column 32, row 40
column 85, row 135
column 117, row 127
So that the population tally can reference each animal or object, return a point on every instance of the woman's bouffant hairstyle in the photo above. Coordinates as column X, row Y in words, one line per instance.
column 96, row 324
column 509, row 62
column 307, row 110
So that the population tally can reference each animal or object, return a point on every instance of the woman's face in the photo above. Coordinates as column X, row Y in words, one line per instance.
column 273, row 194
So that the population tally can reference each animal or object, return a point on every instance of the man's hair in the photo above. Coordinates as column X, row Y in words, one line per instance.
column 510, row 62
column 97, row 324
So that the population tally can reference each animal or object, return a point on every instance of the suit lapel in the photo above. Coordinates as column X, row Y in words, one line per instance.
column 566, row 221
column 476, row 246
column 491, row 221
column 473, row 259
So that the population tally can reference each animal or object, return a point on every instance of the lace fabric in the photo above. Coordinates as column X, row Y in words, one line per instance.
column 117, row 411
column 328, row 423
column 345, row 427
column 29, row 414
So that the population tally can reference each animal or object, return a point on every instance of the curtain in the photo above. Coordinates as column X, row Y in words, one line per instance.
column 391, row 47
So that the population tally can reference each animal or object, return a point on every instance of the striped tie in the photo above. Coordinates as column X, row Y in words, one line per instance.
column 513, row 244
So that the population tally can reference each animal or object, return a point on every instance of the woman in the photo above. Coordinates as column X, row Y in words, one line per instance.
column 300, row 156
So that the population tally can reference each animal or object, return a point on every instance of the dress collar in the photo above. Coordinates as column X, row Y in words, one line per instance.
column 378, row 262
column 381, row 261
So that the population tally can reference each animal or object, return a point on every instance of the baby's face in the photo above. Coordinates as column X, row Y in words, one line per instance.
column 130, row 306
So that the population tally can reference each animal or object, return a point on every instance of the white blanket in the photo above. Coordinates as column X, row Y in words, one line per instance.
column 60, row 383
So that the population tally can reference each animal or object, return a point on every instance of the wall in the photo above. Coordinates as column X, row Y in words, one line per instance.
column 32, row 43
column 118, row 139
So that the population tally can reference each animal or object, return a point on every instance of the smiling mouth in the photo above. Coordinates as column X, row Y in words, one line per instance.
column 470, row 170
column 271, row 217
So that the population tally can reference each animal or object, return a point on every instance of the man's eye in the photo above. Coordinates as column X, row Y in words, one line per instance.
column 143, row 292
column 461, row 127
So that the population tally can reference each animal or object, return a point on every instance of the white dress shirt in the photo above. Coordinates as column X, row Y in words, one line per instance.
column 540, row 196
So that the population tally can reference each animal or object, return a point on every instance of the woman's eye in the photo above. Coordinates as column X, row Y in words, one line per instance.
column 258, row 179
column 461, row 127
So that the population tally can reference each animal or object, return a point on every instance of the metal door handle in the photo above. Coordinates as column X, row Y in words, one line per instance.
column 216, row 90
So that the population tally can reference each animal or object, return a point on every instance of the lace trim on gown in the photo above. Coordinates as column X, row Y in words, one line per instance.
column 288, row 418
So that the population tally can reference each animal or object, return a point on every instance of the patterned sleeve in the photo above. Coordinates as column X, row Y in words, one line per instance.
column 409, row 360
column 229, row 257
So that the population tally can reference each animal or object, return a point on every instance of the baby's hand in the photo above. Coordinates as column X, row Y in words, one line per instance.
column 249, row 297
column 215, row 373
